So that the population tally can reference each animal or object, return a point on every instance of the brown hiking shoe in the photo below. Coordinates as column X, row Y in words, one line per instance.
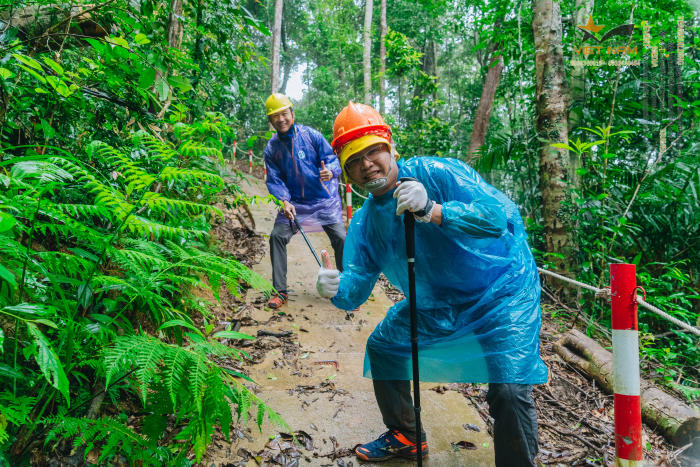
column 278, row 300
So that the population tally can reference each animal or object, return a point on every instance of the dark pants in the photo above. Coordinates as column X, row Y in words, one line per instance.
column 510, row 405
column 279, row 238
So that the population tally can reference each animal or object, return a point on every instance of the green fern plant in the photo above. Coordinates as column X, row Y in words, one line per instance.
column 90, row 248
column 111, row 437
column 187, row 382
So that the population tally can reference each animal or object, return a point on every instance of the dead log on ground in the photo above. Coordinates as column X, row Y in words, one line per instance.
column 677, row 421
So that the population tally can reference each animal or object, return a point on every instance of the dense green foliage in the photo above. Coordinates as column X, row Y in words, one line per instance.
column 109, row 171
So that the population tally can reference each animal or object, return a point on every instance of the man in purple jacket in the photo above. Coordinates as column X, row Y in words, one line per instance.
column 302, row 172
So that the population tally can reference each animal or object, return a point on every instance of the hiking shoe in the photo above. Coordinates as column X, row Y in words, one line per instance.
column 391, row 444
column 278, row 300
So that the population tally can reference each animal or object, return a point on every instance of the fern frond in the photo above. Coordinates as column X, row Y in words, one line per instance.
column 13, row 410
column 85, row 211
column 111, row 436
column 174, row 208
column 137, row 260
column 190, row 148
column 121, row 352
column 191, row 177
column 147, row 360
column 157, row 148
column 197, row 378
column 175, row 362
column 144, row 227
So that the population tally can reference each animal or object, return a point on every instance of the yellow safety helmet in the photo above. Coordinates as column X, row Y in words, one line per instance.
column 277, row 102
column 359, row 144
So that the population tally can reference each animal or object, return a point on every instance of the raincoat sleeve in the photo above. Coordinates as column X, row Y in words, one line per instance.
column 360, row 271
column 275, row 183
column 325, row 152
column 469, row 206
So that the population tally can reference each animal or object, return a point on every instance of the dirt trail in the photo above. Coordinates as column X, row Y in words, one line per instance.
column 335, row 406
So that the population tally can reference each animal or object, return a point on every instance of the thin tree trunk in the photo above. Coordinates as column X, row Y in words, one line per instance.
column 582, row 9
column 175, row 32
column 285, row 76
column 429, row 67
column 276, row 34
column 488, row 93
column 382, row 56
column 367, row 57
column 551, row 102
column 174, row 26
column 197, row 55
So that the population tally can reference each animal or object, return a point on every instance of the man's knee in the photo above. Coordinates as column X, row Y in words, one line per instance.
column 508, row 394
column 279, row 237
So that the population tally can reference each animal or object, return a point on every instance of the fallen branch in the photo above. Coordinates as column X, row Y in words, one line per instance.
column 677, row 421
column 264, row 332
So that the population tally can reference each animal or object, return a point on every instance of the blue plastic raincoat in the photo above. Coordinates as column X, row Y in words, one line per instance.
column 293, row 162
column 477, row 287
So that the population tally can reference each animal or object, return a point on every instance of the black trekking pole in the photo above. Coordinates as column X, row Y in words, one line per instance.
column 409, row 223
column 306, row 239
column 348, row 315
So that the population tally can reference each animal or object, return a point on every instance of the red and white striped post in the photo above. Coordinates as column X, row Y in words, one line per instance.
column 625, row 338
column 250, row 161
column 264, row 171
column 348, row 200
column 235, row 143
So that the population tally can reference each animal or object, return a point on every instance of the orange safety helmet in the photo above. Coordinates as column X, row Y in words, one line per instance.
column 353, row 122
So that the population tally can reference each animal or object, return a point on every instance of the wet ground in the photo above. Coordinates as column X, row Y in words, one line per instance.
column 308, row 367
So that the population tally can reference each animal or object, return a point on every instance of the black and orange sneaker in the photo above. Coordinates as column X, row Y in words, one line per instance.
column 278, row 300
column 391, row 444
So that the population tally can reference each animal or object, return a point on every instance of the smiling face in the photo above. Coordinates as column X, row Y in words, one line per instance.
column 374, row 168
column 282, row 121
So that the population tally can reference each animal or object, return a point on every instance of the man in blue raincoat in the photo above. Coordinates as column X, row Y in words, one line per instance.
column 477, row 288
column 302, row 172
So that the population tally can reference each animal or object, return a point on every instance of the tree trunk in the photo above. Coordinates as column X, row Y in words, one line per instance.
column 432, row 69
column 40, row 22
column 174, row 25
column 551, row 111
column 488, row 93
column 577, row 83
column 276, row 34
column 285, row 77
column 367, row 57
column 198, row 53
column 175, row 33
column 678, row 422
column 382, row 56
column 582, row 9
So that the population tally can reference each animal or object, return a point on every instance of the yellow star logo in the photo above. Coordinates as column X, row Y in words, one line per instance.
column 591, row 26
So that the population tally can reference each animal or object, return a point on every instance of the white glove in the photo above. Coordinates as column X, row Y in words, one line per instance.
column 327, row 282
column 411, row 196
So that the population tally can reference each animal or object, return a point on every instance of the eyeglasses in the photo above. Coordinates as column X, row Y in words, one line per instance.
column 286, row 113
column 372, row 156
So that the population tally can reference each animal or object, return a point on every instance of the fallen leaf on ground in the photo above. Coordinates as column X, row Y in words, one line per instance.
column 463, row 445
column 471, row 426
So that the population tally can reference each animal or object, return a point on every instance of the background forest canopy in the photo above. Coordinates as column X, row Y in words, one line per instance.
column 116, row 118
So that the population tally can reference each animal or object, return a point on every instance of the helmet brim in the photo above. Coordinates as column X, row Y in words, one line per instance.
column 357, row 145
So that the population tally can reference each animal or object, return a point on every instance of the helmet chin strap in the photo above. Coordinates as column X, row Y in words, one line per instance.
column 378, row 183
